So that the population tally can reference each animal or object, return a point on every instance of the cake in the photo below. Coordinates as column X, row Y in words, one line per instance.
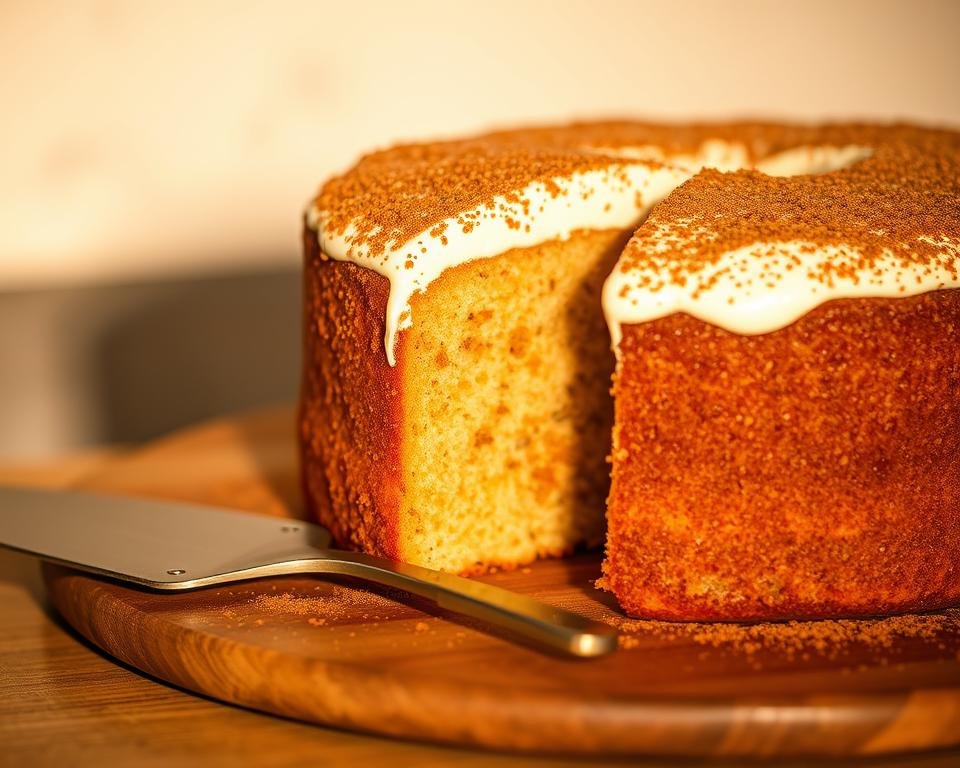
column 784, row 312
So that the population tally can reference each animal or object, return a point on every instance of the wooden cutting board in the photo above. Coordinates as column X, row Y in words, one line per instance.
column 328, row 651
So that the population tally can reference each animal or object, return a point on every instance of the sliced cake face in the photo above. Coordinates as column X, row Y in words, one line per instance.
column 486, row 443
column 507, row 417
column 455, row 409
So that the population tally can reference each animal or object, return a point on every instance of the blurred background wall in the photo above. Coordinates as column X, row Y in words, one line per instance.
column 155, row 157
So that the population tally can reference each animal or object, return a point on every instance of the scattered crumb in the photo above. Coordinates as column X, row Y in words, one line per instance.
column 795, row 639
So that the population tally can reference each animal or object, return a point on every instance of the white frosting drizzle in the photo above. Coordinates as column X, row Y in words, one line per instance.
column 768, row 285
column 751, row 290
column 812, row 160
column 751, row 295
column 616, row 197
column 713, row 153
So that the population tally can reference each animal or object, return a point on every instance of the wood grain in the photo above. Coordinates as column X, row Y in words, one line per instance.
column 329, row 651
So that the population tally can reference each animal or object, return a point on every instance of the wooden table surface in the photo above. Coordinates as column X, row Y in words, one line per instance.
column 63, row 703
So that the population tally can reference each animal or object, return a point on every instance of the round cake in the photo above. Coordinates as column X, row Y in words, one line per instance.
column 783, row 306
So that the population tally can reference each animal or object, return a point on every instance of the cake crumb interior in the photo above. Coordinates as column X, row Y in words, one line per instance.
column 507, row 413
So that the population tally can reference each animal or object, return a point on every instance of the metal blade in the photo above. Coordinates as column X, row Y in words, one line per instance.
column 170, row 545
column 148, row 542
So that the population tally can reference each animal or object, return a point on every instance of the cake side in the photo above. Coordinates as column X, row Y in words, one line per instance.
column 809, row 472
column 350, row 412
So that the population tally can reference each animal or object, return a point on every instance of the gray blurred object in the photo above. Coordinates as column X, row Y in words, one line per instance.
column 124, row 363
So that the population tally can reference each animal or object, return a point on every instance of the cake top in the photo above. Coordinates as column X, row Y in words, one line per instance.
column 751, row 252
column 391, row 197
column 394, row 195
column 905, row 192
column 411, row 211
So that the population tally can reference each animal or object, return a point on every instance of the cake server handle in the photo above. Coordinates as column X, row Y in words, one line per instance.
column 172, row 546
column 537, row 622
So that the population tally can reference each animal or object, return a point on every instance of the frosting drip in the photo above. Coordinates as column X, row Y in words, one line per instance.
column 677, row 261
column 616, row 197
column 764, row 287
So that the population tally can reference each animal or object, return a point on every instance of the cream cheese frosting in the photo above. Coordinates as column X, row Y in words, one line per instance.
column 763, row 287
column 616, row 197
column 754, row 288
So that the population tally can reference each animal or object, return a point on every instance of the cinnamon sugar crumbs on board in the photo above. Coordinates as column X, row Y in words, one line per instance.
column 335, row 601
column 829, row 638
column 290, row 603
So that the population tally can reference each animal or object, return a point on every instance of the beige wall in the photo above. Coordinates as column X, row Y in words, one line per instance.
column 147, row 138
column 179, row 140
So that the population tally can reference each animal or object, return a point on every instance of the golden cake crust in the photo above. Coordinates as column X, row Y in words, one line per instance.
column 348, row 390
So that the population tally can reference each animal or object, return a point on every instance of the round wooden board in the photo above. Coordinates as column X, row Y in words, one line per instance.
column 329, row 651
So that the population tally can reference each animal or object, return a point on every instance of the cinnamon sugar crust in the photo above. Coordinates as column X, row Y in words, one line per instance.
column 903, row 199
column 397, row 194
column 810, row 472
column 350, row 485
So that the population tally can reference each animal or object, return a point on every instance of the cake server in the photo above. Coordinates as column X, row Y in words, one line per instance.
column 173, row 546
